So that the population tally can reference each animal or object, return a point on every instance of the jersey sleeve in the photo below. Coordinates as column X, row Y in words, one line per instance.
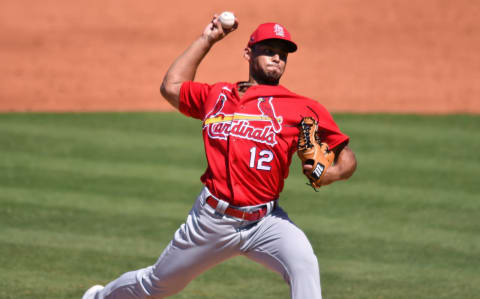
column 328, row 129
column 192, row 98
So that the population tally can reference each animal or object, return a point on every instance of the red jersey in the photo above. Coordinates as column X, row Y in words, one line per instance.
column 250, row 140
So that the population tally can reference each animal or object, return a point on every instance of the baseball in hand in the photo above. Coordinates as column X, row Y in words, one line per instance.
column 227, row 19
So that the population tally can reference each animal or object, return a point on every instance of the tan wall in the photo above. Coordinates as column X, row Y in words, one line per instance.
column 354, row 55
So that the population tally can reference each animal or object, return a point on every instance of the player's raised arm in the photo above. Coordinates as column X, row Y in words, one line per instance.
column 185, row 66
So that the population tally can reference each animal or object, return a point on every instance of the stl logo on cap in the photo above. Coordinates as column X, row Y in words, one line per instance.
column 279, row 30
column 272, row 31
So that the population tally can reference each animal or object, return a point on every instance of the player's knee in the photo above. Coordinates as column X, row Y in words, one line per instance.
column 304, row 265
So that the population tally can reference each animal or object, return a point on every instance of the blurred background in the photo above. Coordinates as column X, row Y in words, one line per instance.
column 354, row 56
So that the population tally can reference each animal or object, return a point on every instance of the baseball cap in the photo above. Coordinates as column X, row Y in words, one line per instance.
column 272, row 31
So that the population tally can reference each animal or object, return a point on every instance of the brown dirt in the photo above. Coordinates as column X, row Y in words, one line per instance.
column 354, row 55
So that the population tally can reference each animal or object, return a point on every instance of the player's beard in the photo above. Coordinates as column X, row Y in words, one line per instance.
column 268, row 77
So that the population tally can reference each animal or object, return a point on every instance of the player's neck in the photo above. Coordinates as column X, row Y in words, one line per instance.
column 244, row 86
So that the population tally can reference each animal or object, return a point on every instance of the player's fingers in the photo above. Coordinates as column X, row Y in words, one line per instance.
column 234, row 27
column 216, row 23
column 212, row 22
column 213, row 31
column 307, row 167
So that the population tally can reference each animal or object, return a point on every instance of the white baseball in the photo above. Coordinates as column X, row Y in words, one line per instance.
column 227, row 19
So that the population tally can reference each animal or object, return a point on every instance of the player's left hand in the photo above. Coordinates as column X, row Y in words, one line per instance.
column 315, row 155
column 330, row 175
column 343, row 168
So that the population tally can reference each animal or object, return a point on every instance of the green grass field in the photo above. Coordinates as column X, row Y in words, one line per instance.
column 87, row 197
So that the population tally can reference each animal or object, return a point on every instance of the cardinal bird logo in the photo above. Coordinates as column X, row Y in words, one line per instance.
column 266, row 108
column 218, row 106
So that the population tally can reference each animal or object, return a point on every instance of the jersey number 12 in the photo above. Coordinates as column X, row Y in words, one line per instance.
column 264, row 157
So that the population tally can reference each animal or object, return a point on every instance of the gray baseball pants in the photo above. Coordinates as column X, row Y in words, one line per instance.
column 208, row 238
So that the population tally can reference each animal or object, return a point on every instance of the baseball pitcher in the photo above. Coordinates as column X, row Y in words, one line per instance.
column 251, row 130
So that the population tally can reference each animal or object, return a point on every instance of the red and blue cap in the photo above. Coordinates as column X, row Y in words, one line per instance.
column 272, row 31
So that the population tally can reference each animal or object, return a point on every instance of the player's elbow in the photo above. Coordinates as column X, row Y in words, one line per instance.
column 170, row 92
column 165, row 90
column 348, row 163
column 350, row 167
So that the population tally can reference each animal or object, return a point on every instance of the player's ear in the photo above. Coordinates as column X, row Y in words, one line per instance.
column 247, row 53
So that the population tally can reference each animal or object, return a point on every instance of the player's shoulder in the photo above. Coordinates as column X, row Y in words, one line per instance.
column 303, row 100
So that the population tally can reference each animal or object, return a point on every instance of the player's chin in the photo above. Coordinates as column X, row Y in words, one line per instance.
column 268, row 77
column 273, row 75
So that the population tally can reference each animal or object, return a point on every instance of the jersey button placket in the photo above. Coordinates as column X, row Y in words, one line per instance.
column 231, row 158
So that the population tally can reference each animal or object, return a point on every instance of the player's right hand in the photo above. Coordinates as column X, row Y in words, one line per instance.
column 215, row 32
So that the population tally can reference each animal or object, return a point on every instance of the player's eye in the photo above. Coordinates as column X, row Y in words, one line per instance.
column 268, row 52
column 283, row 56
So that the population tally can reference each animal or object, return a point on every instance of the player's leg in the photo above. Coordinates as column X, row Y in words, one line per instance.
column 281, row 246
column 203, row 241
column 173, row 271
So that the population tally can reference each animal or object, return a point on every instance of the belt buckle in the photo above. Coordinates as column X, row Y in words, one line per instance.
column 243, row 214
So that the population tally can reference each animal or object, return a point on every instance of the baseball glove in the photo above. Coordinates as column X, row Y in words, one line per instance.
column 313, row 152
